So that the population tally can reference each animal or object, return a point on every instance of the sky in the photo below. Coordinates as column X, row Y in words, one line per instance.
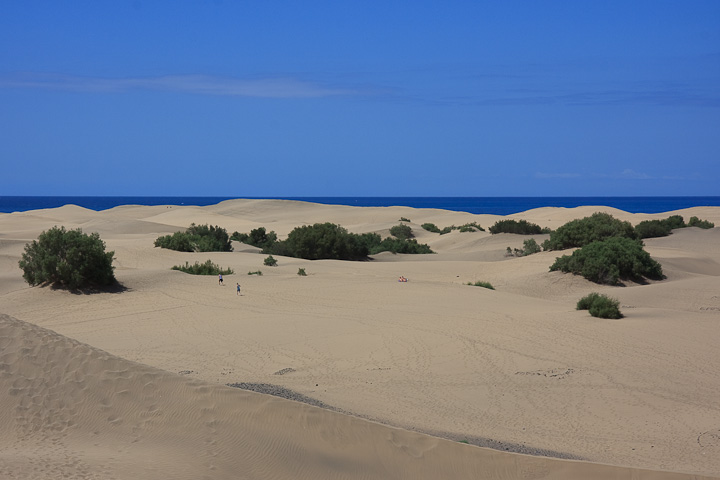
column 356, row 98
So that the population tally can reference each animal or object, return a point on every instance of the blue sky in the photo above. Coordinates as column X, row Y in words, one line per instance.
column 288, row 98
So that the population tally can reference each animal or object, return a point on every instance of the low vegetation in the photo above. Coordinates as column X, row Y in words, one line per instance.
column 301, row 272
column 520, row 227
column 696, row 222
column 481, row 284
column 68, row 258
column 530, row 246
column 468, row 227
column 207, row 268
column 607, row 261
column 257, row 237
column 256, row 272
column 403, row 219
column 330, row 241
column 600, row 306
column 430, row 227
column 581, row 232
column 197, row 238
column 270, row 261
column 403, row 232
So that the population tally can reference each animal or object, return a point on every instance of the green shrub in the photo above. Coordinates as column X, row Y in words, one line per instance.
column 403, row 219
column 330, row 241
column 197, row 238
column 521, row 227
column 600, row 306
column 256, row 272
column 178, row 241
column 396, row 245
column 403, row 232
column 67, row 258
column 301, row 272
column 430, row 227
column 258, row 237
column 608, row 261
column 659, row 228
column 696, row 222
column 675, row 221
column 481, row 284
column 470, row 227
column 207, row 268
column 530, row 246
column 652, row 229
column 270, row 261
column 581, row 232
column 585, row 302
column 321, row 241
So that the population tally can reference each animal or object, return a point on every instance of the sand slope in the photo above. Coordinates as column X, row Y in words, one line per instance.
column 517, row 368
column 73, row 411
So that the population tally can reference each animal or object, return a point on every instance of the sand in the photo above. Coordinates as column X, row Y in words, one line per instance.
column 132, row 383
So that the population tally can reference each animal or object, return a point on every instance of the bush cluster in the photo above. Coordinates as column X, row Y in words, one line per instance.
column 468, row 227
column 663, row 228
column 696, row 222
column 521, row 227
column 430, row 227
column 67, row 258
column 197, row 238
column 330, row 241
column 207, row 268
column 581, row 232
column 257, row 237
column 653, row 229
column 607, row 261
column 600, row 306
column 403, row 232
column 530, row 246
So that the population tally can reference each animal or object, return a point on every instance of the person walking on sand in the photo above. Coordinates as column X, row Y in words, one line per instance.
column 238, row 289
column 220, row 282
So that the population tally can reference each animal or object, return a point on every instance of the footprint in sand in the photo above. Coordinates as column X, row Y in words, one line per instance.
column 710, row 438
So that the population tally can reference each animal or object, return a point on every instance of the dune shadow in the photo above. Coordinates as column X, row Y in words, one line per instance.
column 116, row 287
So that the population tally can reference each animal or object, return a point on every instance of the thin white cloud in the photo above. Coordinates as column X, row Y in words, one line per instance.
column 633, row 175
column 556, row 175
column 279, row 87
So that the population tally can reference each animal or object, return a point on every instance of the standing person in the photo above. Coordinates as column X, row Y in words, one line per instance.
column 238, row 289
column 220, row 282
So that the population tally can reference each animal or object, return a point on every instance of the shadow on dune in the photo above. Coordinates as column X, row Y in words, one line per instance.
column 116, row 287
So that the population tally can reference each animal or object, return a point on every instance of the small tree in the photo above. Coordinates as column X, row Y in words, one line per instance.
column 68, row 258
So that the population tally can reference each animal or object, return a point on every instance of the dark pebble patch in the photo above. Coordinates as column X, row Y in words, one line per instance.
column 288, row 394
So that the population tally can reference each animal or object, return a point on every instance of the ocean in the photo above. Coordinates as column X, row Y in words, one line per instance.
column 477, row 205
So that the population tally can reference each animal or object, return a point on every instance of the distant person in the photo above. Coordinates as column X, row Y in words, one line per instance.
column 220, row 280
column 238, row 289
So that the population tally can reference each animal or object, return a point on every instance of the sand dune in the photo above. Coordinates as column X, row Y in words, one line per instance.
column 132, row 385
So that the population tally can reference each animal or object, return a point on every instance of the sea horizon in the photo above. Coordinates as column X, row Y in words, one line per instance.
column 474, row 205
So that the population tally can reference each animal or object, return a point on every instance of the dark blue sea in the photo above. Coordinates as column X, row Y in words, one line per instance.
column 477, row 205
